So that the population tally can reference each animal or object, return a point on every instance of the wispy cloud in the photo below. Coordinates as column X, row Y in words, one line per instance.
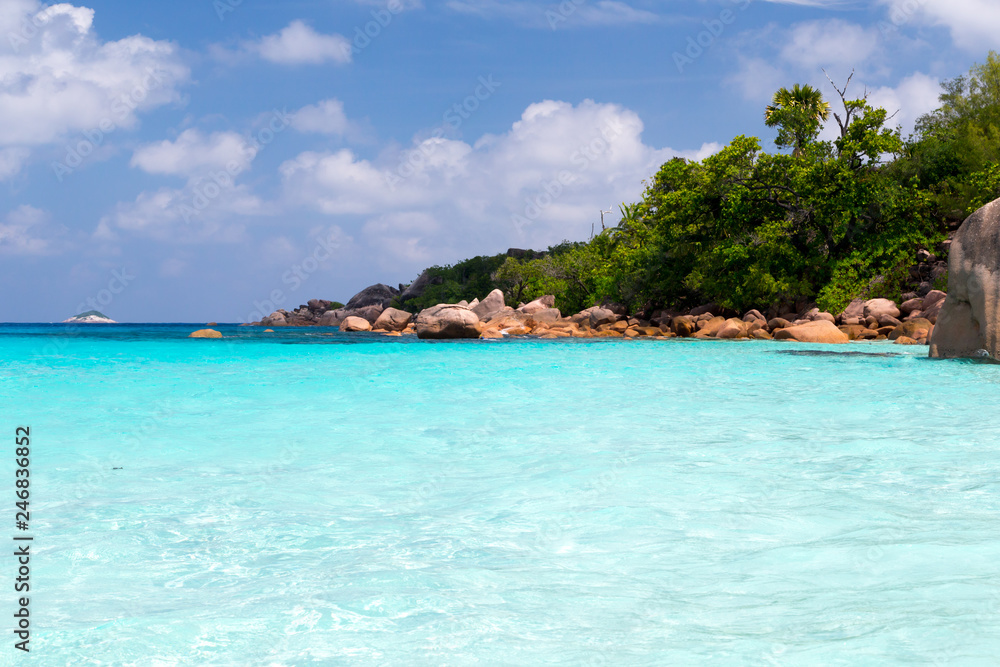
column 570, row 13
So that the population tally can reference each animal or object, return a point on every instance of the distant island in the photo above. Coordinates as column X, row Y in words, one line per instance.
column 90, row 317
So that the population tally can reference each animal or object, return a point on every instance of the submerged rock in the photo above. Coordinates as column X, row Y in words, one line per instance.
column 205, row 333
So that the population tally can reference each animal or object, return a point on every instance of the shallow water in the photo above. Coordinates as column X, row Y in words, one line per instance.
column 300, row 498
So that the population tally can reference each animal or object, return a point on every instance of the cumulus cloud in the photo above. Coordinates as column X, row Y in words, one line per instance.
column 542, row 181
column 194, row 152
column 299, row 44
column 212, row 206
column 201, row 212
column 59, row 78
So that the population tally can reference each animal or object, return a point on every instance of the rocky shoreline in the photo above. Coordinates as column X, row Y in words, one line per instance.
column 910, row 322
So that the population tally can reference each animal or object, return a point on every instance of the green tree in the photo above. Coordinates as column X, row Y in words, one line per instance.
column 798, row 114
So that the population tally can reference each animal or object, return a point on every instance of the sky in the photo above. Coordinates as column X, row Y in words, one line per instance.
column 214, row 160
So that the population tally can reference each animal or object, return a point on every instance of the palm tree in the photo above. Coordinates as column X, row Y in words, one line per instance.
column 629, row 223
column 798, row 113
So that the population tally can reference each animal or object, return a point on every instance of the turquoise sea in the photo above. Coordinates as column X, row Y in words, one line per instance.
column 315, row 498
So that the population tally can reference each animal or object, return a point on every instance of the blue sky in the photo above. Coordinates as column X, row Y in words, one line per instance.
column 208, row 159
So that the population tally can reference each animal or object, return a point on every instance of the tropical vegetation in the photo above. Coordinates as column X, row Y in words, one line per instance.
column 818, row 220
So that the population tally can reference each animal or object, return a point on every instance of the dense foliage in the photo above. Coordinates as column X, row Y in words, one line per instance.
column 466, row 280
column 827, row 222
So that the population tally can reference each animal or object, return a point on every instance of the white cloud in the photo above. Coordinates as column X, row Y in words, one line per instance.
column 193, row 152
column 200, row 212
column 27, row 231
column 59, row 78
column 542, row 181
column 831, row 42
column 911, row 98
column 973, row 24
column 556, row 15
column 11, row 160
column 325, row 117
column 299, row 44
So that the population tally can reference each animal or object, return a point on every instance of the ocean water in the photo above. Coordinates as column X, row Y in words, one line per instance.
column 308, row 498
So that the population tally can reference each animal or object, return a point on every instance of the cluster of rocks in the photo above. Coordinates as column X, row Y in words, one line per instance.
column 875, row 319
column 368, row 304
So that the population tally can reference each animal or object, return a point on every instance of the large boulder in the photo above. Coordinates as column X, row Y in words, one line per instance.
column 911, row 305
column 817, row 331
column 331, row 318
column 375, row 295
column 319, row 305
column 916, row 329
column 933, row 311
column 539, row 304
column 711, row 327
column 547, row 315
column 419, row 286
column 492, row 304
column 932, row 297
column 733, row 328
column 275, row 319
column 683, row 326
column 393, row 319
column 352, row 323
column 599, row 316
column 969, row 322
column 854, row 313
column 448, row 321
column 878, row 308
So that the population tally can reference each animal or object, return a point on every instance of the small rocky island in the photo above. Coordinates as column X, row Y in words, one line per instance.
column 90, row 317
